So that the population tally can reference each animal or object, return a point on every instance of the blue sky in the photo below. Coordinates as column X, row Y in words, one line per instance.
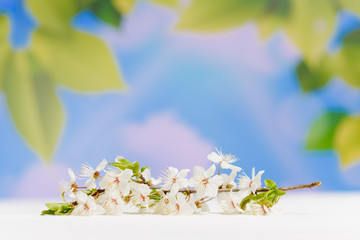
column 187, row 94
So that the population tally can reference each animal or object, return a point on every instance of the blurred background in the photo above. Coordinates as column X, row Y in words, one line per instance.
column 165, row 82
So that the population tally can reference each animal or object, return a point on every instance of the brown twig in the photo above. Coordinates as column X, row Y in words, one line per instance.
column 303, row 186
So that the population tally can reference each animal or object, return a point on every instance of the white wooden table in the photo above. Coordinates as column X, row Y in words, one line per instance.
column 303, row 216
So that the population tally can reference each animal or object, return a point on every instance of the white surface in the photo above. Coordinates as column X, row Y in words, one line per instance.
column 304, row 216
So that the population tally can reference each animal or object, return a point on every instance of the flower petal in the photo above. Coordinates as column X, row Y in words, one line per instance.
column 81, row 197
column 199, row 171
column 172, row 172
column 214, row 157
column 146, row 174
column 211, row 190
column 217, row 180
column 257, row 178
column 126, row 174
column 71, row 174
column 227, row 165
column 101, row 165
column 183, row 173
column 210, row 172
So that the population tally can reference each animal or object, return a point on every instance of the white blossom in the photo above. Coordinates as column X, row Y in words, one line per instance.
column 175, row 179
column 229, row 180
column 92, row 174
column 141, row 195
column 230, row 202
column 225, row 160
column 164, row 206
column 69, row 187
column 256, row 209
column 248, row 185
column 86, row 205
column 121, row 189
column 147, row 176
column 112, row 202
column 203, row 182
column 182, row 204
column 117, row 180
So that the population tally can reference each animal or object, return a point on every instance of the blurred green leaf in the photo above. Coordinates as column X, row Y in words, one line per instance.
column 347, row 61
column 4, row 46
column 310, row 27
column 106, row 11
column 78, row 61
column 347, row 140
column 274, row 16
column 314, row 77
column 353, row 5
column 54, row 15
column 205, row 15
column 169, row 3
column 322, row 132
column 124, row 6
column 33, row 103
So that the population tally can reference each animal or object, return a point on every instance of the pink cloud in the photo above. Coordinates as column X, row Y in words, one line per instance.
column 164, row 140
column 40, row 180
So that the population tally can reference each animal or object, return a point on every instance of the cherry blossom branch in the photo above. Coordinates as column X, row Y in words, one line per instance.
column 297, row 187
column 302, row 186
column 127, row 183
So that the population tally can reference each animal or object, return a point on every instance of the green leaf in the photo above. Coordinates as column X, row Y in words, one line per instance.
column 347, row 140
column 124, row 6
column 135, row 167
column 143, row 169
column 205, row 15
column 58, row 209
column 119, row 165
column 270, row 184
column 124, row 161
column 33, row 103
column 56, row 206
column 4, row 46
column 352, row 5
column 106, row 11
column 279, row 192
column 48, row 212
column 322, row 132
column 314, row 77
column 271, row 195
column 347, row 61
column 168, row 3
column 78, row 61
column 246, row 201
column 65, row 210
column 122, row 164
column 311, row 26
column 259, row 196
column 90, row 191
column 155, row 195
column 275, row 15
column 54, row 15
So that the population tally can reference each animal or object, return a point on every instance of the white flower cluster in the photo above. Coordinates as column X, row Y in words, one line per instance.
column 111, row 190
